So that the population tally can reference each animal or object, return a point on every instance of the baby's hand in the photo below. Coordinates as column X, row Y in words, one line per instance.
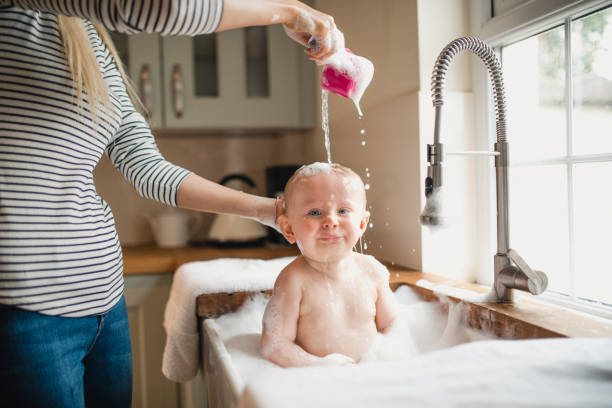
column 337, row 359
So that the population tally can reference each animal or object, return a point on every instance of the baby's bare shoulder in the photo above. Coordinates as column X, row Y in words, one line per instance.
column 292, row 274
column 372, row 267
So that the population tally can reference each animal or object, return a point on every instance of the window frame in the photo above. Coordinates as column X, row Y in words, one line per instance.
column 518, row 23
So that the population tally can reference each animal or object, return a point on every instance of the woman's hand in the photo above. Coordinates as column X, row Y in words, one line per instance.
column 315, row 30
column 273, row 209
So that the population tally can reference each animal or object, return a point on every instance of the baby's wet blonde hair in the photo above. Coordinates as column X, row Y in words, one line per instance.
column 313, row 169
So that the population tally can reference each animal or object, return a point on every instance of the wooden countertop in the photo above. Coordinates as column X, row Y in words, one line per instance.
column 152, row 259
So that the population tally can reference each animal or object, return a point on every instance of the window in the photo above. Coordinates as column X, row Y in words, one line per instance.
column 559, row 91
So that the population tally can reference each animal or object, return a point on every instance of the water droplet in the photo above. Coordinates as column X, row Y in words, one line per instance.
column 365, row 245
column 367, row 169
column 363, row 143
column 367, row 186
column 362, row 131
column 371, row 225
column 367, row 174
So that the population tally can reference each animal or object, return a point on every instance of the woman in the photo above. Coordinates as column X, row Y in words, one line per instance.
column 63, row 326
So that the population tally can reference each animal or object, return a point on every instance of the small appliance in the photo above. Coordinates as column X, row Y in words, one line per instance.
column 231, row 230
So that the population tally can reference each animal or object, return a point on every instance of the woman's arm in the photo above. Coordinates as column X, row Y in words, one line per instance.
column 197, row 193
column 167, row 17
column 184, row 17
column 300, row 21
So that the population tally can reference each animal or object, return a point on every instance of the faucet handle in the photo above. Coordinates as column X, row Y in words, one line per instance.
column 537, row 281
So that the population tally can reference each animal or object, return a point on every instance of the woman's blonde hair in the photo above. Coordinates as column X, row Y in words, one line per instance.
column 84, row 67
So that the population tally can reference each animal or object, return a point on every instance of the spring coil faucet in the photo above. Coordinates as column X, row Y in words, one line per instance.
column 510, row 270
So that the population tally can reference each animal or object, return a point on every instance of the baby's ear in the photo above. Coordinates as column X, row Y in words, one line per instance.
column 363, row 224
column 285, row 227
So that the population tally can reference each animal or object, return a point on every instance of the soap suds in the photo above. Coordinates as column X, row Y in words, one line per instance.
column 421, row 327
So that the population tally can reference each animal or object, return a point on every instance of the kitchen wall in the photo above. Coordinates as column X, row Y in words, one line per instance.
column 403, row 39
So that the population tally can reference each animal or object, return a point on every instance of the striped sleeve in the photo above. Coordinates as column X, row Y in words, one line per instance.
column 167, row 17
column 136, row 155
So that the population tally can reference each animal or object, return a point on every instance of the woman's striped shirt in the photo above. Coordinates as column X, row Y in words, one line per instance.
column 59, row 250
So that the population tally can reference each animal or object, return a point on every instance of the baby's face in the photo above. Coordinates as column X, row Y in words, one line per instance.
column 326, row 215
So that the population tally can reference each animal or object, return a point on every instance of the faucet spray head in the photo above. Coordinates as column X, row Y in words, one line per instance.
column 432, row 213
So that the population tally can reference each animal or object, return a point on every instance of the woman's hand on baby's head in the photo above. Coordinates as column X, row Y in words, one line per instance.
column 337, row 359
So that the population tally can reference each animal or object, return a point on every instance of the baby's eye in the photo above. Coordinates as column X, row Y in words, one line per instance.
column 344, row 211
column 314, row 212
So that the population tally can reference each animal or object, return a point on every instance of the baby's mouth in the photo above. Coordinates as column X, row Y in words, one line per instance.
column 330, row 238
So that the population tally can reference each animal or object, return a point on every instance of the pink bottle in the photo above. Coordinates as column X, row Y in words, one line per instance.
column 337, row 82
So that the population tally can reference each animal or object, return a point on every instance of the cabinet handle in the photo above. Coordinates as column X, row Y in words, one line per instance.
column 177, row 91
column 145, row 88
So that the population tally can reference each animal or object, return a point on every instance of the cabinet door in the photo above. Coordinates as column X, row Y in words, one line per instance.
column 240, row 98
column 144, row 69
column 146, row 297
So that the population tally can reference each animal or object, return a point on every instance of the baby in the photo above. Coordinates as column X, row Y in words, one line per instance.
column 330, row 302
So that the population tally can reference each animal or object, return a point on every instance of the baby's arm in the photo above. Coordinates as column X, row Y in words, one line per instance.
column 280, row 325
column 386, row 305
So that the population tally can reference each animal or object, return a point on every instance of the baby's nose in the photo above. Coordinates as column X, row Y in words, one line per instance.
column 331, row 221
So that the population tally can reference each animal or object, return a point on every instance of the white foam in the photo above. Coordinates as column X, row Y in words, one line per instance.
column 420, row 327
column 315, row 168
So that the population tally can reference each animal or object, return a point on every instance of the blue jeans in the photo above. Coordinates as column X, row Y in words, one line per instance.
column 50, row 361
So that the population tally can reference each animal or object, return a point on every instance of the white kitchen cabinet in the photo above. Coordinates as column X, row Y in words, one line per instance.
column 239, row 79
column 146, row 297
column 142, row 56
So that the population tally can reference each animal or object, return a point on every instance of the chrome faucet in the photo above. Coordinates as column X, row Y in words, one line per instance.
column 510, row 270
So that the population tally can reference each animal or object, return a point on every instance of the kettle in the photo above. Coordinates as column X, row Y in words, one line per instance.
column 232, row 230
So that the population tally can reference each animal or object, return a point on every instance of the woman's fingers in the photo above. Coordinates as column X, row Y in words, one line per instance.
column 315, row 30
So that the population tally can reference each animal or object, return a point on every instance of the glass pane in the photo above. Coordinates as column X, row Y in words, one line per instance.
column 256, row 39
column 205, row 65
column 593, row 223
column 539, row 221
column 534, row 77
column 592, row 79
column 121, row 45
